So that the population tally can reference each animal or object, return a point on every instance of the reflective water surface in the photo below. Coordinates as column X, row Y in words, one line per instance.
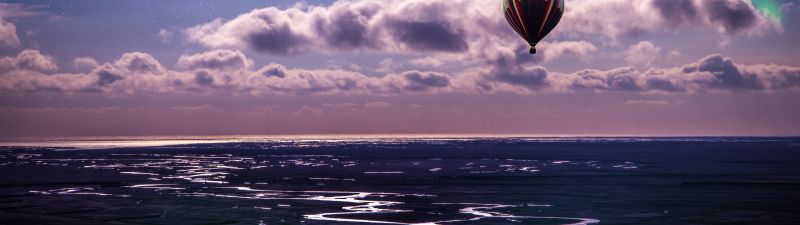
column 403, row 180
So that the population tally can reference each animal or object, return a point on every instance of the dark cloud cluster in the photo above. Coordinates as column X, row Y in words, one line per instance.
column 279, row 39
column 733, row 16
column 203, row 78
column 510, row 69
column 730, row 16
column 726, row 74
column 621, row 18
column 424, row 81
column 428, row 35
column 106, row 77
column 712, row 73
column 345, row 25
column 470, row 32
column 530, row 77
column 677, row 12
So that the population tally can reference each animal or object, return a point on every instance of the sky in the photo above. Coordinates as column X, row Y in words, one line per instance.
column 244, row 67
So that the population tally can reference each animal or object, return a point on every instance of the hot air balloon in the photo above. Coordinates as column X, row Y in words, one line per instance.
column 533, row 19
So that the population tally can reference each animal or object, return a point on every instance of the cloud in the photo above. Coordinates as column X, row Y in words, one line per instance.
column 387, row 66
column 107, row 76
column 216, row 60
column 35, row 82
column 8, row 35
column 787, row 7
column 346, row 27
column 581, row 49
column 423, row 81
column 85, row 62
column 677, row 12
column 472, row 32
column 731, row 16
column 647, row 102
column 712, row 73
column 165, row 35
column 28, row 60
column 622, row 18
column 266, row 30
column 139, row 62
column 725, row 73
column 393, row 26
column 203, row 78
column 276, row 39
column 377, row 104
column 427, row 61
column 225, row 71
column 642, row 54
column 428, row 35
column 273, row 70
column 11, row 10
column 530, row 77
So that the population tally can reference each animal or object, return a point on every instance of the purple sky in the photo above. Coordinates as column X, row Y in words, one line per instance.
column 612, row 67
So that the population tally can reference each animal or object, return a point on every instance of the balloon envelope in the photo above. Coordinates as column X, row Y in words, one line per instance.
column 533, row 19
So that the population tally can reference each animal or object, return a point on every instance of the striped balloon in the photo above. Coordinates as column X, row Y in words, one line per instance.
column 533, row 19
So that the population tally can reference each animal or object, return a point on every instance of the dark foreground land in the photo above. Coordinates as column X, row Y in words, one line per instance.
column 410, row 181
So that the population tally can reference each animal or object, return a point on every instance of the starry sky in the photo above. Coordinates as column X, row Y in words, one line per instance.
column 243, row 67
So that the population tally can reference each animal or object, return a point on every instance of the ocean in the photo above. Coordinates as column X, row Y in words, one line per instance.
column 401, row 180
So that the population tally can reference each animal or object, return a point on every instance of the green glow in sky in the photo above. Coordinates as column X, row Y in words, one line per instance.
column 770, row 7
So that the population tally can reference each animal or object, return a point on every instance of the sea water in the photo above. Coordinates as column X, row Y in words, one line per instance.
column 401, row 180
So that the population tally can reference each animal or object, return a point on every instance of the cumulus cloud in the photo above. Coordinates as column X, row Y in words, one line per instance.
column 677, row 12
column 139, row 62
column 216, row 60
column 468, row 27
column 529, row 77
column 33, row 82
column 730, row 16
column 8, row 35
column 643, row 54
column 619, row 18
column 423, row 81
column 471, row 32
column 712, row 73
column 580, row 49
column 165, row 35
column 428, row 36
column 395, row 26
column 208, row 72
column 85, row 63
column 220, row 71
column 28, row 60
